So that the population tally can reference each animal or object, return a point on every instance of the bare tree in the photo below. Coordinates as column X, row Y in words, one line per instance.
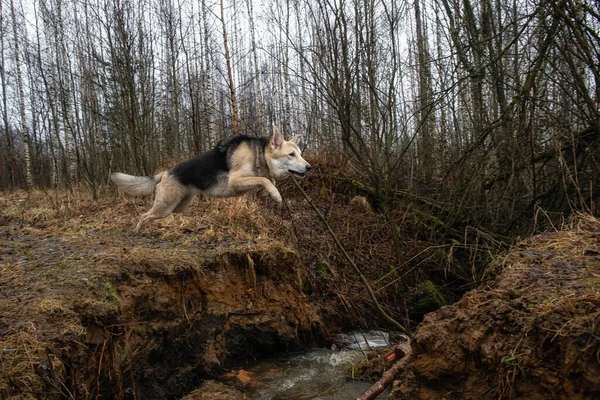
column 207, row 86
column 21, row 91
column 231, row 83
column 426, row 123
column 257, row 79
column 10, row 161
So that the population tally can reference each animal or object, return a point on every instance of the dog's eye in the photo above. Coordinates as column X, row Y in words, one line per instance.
column 292, row 154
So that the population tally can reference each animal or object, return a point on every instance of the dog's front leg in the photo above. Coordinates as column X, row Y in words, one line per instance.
column 263, row 192
column 240, row 183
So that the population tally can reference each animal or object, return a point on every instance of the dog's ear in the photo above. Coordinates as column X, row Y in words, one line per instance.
column 297, row 139
column 276, row 139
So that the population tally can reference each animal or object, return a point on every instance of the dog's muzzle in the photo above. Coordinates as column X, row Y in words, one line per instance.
column 297, row 174
column 300, row 174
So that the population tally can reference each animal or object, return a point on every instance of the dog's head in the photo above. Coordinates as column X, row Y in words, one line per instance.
column 284, row 157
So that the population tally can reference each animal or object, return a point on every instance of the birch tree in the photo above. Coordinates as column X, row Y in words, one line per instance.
column 257, row 79
column 10, row 161
column 21, row 93
column 230, row 81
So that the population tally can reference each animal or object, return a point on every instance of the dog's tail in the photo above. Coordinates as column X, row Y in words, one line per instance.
column 136, row 185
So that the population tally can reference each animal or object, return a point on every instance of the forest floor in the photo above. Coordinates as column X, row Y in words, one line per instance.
column 88, row 310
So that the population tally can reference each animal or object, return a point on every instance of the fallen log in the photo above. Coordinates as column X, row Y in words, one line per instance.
column 388, row 376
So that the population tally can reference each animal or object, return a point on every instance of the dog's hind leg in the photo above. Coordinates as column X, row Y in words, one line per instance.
column 169, row 194
column 183, row 204
column 150, row 216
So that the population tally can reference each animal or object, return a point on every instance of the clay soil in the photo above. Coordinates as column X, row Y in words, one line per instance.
column 533, row 332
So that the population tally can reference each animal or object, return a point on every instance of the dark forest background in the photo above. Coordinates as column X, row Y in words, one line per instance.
column 487, row 111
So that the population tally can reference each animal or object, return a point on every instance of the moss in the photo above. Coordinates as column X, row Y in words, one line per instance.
column 324, row 268
column 431, row 298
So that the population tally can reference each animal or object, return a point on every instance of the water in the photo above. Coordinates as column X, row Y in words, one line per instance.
column 319, row 374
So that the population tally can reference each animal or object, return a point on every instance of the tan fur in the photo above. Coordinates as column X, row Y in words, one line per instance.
column 247, row 171
column 242, row 167
column 171, row 196
column 135, row 185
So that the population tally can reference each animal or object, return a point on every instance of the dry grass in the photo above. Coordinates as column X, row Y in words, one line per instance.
column 556, row 276
column 531, row 332
column 68, row 251
column 64, row 249
column 26, row 363
column 67, row 254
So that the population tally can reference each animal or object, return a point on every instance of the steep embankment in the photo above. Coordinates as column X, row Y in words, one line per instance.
column 88, row 310
column 531, row 333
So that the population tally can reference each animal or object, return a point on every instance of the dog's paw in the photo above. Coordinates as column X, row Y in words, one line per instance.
column 277, row 197
column 263, row 193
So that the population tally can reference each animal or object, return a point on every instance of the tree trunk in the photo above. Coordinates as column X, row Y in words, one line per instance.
column 23, row 119
column 207, row 87
column 234, row 105
column 425, row 128
column 10, row 162
column 259, row 94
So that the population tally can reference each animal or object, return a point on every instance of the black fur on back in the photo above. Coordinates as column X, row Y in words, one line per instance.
column 203, row 170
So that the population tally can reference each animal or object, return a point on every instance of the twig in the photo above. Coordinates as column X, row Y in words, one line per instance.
column 131, row 370
column 100, row 370
column 351, row 262
column 387, row 378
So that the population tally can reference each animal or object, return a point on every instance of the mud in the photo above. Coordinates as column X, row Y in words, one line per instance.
column 533, row 332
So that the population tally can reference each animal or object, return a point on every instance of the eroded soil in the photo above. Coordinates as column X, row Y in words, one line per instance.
column 531, row 333
column 88, row 310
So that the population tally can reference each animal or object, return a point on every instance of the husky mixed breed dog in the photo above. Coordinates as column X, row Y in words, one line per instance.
column 235, row 165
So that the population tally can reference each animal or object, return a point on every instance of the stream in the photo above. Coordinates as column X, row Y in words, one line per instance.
column 316, row 374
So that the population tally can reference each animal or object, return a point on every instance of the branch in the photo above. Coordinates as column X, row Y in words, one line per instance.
column 351, row 262
column 388, row 376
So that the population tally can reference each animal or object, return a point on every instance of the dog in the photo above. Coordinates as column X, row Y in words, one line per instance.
column 235, row 165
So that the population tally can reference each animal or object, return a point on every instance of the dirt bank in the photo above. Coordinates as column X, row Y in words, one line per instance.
column 89, row 311
column 531, row 333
